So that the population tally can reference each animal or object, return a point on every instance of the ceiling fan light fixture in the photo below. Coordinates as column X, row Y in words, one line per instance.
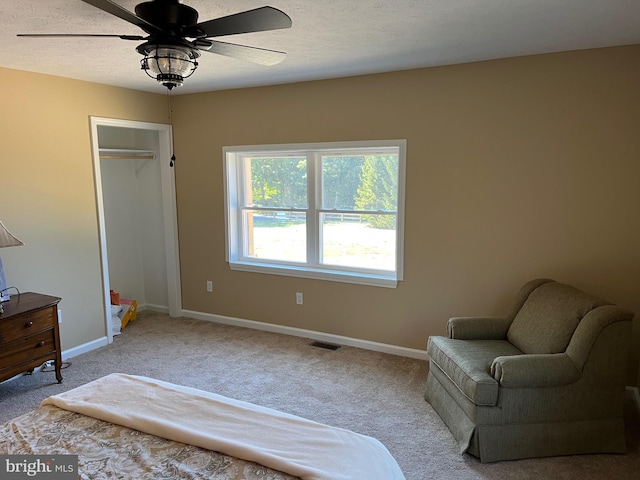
column 169, row 65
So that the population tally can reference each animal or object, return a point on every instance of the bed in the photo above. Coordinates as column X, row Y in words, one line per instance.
column 126, row 426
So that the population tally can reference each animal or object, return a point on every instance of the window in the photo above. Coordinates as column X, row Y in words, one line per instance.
column 331, row 211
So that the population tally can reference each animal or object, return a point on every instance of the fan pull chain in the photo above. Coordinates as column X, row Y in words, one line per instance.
column 173, row 155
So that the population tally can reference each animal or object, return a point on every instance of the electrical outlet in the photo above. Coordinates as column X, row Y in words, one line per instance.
column 299, row 298
column 59, row 315
column 209, row 286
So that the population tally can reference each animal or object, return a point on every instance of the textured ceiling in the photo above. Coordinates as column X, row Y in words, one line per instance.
column 329, row 38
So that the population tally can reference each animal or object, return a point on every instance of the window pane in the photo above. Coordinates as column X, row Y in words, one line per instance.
column 340, row 181
column 366, row 182
column 278, row 236
column 363, row 241
column 276, row 182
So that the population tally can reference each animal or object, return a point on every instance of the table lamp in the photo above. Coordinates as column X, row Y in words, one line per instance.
column 6, row 240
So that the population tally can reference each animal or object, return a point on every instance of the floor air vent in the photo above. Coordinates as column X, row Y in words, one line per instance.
column 328, row 346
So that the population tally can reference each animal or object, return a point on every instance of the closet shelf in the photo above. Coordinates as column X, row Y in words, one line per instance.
column 126, row 154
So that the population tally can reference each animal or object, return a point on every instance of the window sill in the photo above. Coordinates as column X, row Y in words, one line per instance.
column 328, row 275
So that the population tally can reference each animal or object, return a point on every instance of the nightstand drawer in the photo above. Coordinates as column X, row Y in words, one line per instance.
column 27, row 348
column 32, row 322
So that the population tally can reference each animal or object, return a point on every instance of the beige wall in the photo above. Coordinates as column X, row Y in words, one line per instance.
column 47, row 188
column 516, row 169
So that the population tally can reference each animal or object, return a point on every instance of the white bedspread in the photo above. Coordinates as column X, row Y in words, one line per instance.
column 291, row 444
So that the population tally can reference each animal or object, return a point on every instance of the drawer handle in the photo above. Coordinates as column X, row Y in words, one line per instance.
column 41, row 344
column 28, row 324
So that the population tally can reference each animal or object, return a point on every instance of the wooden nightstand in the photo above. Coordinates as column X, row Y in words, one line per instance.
column 29, row 334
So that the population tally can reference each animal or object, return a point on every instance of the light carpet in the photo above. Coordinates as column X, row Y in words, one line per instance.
column 371, row 393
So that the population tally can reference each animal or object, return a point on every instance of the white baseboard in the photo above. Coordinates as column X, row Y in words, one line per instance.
column 84, row 348
column 300, row 332
column 153, row 308
column 101, row 342
column 635, row 394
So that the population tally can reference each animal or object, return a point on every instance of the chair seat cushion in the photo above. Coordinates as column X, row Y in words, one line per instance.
column 467, row 363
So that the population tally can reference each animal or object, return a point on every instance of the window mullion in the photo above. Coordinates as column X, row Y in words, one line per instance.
column 241, row 237
column 312, row 215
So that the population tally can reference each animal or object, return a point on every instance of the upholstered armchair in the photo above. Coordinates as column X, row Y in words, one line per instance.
column 548, row 379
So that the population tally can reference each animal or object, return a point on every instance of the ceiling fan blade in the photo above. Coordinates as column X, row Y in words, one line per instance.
column 260, row 56
column 257, row 20
column 41, row 35
column 120, row 12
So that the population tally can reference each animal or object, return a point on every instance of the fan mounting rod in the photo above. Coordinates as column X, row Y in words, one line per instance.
column 170, row 15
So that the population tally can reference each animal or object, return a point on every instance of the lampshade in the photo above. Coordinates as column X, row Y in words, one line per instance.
column 7, row 239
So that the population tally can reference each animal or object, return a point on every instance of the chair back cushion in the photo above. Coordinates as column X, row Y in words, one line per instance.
column 549, row 316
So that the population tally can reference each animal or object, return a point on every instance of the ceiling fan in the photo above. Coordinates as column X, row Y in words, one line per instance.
column 175, row 39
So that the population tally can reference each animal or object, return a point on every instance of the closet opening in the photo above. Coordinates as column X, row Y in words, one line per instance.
column 135, row 189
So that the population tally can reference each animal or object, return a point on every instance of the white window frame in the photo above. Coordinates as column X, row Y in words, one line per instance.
column 233, row 191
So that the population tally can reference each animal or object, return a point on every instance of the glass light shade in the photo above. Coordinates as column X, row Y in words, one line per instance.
column 169, row 60
column 170, row 65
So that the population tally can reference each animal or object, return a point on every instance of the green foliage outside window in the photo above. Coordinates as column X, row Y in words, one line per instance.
column 341, row 177
column 378, row 190
column 366, row 182
column 279, row 182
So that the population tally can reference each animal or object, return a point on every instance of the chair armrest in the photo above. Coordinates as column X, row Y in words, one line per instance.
column 591, row 327
column 478, row 328
column 534, row 371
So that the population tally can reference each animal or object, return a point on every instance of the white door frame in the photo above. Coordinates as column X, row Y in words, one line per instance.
column 169, row 208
